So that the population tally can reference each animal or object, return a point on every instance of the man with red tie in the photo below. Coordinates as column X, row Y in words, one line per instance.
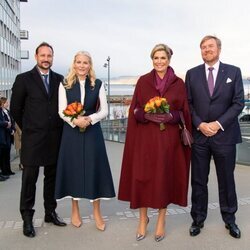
column 216, row 98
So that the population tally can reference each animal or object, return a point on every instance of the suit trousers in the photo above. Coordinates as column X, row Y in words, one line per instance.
column 224, row 159
column 5, row 160
column 28, row 190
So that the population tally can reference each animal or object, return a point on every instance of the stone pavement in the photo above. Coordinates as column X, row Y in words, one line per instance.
column 121, row 221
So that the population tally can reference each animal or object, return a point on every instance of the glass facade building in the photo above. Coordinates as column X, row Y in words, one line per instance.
column 10, row 44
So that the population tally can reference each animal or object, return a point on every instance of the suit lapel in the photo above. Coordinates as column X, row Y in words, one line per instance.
column 203, row 77
column 38, row 80
column 220, row 78
column 52, row 83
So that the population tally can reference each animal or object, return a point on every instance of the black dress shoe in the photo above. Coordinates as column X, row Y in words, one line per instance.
column 55, row 219
column 234, row 231
column 195, row 228
column 6, row 175
column 28, row 229
column 2, row 178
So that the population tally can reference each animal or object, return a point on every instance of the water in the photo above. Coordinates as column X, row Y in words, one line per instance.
column 120, row 110
column 121, row 89
column 128, row 89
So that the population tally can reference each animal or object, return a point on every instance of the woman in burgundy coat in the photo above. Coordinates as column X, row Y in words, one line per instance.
column 155, row 166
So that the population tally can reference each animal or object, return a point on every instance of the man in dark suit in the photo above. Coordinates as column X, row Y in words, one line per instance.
column 8, row 139
column 34, row 106
column 216, row 98
column 4, row 140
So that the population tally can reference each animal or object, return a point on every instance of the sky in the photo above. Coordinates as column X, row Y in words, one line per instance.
column 127, row 30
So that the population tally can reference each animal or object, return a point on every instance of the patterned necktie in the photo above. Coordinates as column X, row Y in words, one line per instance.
column 46, row 83
column 210, row 81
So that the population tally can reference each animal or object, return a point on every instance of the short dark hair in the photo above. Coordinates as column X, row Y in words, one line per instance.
column 44, row 44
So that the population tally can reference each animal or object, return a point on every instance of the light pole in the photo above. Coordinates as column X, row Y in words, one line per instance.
column 107, row 65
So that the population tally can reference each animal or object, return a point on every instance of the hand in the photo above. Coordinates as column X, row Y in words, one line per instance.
column 82, row 121
column 207, row 129
column 214, row 126
column 158, row 118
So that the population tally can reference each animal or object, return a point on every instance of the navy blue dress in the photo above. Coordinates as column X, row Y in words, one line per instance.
column 83, row 169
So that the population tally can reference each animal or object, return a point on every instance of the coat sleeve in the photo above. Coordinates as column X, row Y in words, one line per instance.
column 103, row 107
column 18, row 100
column 196, row 120
column 3, row 123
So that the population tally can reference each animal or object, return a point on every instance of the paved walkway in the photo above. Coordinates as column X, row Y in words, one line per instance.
column 121, row 221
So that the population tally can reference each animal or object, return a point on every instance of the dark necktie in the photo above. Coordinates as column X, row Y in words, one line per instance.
column 46, row 83
column 210, row 80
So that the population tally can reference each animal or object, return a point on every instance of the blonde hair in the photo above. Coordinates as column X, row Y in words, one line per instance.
column 217, row 40
column 161, row 47
column 71, row 78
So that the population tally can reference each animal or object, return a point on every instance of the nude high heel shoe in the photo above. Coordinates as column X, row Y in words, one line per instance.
column 159, row 238
column 141, row 236
column 101, row 227
column 76, row 223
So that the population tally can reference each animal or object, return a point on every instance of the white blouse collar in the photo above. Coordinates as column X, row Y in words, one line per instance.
column 82, row 82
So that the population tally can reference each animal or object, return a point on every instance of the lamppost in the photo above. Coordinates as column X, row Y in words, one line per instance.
column 107, row 65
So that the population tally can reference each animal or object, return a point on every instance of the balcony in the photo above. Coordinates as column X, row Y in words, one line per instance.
column 24, row 34
column 24, row 54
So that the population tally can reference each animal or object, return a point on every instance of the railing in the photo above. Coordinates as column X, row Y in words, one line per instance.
column 243, row 149
column 115, row 130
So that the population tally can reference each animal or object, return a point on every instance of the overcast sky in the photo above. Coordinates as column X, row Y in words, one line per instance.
column 127, row 30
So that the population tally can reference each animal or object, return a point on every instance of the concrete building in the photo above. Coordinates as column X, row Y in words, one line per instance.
column 10, row 44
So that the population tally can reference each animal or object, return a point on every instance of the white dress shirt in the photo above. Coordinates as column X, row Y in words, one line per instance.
column 95, row 117
column 215, row 70
column 215, row 73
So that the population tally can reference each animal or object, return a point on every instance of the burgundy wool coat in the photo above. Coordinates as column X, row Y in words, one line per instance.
column 155, row 166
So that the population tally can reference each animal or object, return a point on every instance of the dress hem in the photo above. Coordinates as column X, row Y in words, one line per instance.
column 78, row 199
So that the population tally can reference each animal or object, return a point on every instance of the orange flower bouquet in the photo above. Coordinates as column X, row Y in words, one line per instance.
column 73, row 110
column 157, row 105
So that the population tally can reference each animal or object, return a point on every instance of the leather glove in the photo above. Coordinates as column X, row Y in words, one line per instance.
column 158, row 118
column 176, row 117
column 139, row 115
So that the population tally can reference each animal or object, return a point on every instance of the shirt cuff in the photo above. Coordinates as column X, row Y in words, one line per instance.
column 220, row 125
column 94, row 118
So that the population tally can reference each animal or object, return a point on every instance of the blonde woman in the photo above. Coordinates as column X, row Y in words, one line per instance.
column 155, row 163
column 83, row 169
